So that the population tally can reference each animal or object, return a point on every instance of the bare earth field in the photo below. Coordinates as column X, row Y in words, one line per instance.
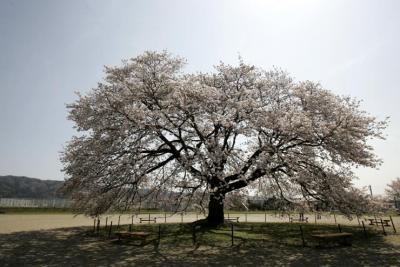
column 10, row 223
column 55, row 240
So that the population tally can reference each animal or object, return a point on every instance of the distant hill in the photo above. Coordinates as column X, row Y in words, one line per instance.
column 25, row 187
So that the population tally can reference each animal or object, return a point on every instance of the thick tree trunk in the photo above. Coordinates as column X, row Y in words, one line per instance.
column 216, row 210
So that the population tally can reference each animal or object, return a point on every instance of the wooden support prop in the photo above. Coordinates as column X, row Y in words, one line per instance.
column 159, row 234
column 232, row 234
column 383, row 228
column 181, row 217
column 105, row 227
column 109, row 230
column 334, row 216
column 340, row 228
column 365, row 232
column 394, row 228
column 98, row 225
column 302, row 236
column 265, row 217
column 194, row 234
column 119, row 219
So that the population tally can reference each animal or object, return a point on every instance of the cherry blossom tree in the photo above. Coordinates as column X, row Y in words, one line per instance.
column 149, row 129
column 393, row 189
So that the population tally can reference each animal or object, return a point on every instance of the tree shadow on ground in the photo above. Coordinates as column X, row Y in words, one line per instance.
column 62, row 247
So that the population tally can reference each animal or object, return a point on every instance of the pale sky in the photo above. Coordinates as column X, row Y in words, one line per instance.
column 50, row 49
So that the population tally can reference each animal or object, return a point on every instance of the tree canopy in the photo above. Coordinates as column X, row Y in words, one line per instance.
column 393, row 189
column 149, row 128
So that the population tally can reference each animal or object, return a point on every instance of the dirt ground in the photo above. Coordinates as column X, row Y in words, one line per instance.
column 10, row 223
column 72, row 247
